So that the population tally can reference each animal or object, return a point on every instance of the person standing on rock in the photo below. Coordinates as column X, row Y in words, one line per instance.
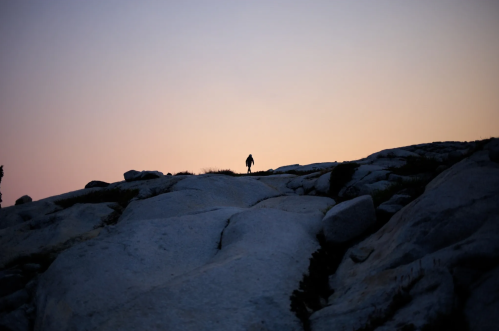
column 249, row 161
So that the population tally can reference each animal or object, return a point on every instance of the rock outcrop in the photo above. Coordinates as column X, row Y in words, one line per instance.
column 134, row 175
column 413, row 275
column 24, row 199
column 412, row 244
column 96, row 183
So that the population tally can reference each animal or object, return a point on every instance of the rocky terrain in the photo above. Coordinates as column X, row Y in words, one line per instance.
column 405, row 239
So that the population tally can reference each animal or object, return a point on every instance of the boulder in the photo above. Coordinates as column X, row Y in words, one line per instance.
column 454, row 224
column 349, row 219
column 322, row 184
column 24, row 199
column 134, row 175
column 96, row 183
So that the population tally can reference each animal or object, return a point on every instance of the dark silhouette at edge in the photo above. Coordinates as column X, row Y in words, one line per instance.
column 1, row 175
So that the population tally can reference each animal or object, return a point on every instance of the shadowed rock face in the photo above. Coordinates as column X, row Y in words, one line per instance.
column 454, row 223
column 133, row 175
column 96, row 183
column 24, row 199
column 215, row 252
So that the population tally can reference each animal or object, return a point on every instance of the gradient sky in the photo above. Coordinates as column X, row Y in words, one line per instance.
column 92, row 89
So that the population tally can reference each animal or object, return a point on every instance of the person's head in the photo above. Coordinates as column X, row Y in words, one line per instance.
column 250, row 155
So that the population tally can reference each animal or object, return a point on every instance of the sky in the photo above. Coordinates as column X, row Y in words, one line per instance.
column 91, row 89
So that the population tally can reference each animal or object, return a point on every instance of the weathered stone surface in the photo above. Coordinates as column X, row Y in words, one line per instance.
column 169, row 274
column 196, row 194
column 430, row 296
column 15, row 215
column 11, row 281
column 396, row 202
column 278, row 182
column 482, row 306
column 366, row 179
column 149, row 188
column 454, row 223
column 51, row 232
column 308, row 185
column 360, row 254
column 493, row 148
column 399, row 199
column 317, row 166
column 392, row 153
column 133, row 175
column 298, row 204
column 31, row 267
column 96, row 183
column 322, row 184
column 388, row 210
column 308, row 167
column 24, row 199
column 14, row 300
column 301, row 180
column 349, row 219
column 16, row 320
column 287, row 168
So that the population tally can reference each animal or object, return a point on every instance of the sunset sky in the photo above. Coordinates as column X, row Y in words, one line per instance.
column 92, row 89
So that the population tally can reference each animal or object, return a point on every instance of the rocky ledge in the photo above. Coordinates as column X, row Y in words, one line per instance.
column 405, row 239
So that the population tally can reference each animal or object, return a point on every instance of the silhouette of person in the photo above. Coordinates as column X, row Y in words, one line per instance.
column 249, row 161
